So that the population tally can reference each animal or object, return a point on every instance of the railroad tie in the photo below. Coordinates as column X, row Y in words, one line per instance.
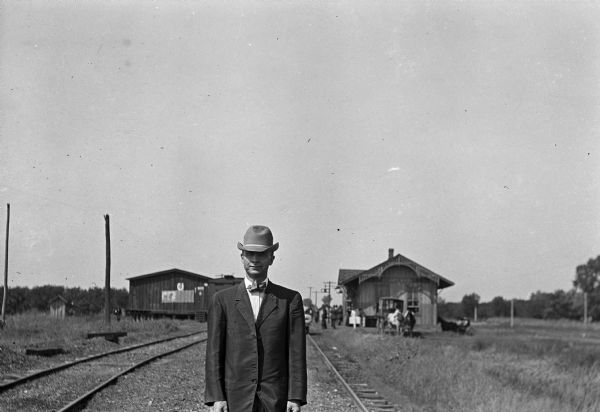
column 370, row 396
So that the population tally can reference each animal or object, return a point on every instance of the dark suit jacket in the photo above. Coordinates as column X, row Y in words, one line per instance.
column 266, row 358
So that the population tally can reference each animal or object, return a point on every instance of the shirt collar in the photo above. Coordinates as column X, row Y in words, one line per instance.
column 248, row 282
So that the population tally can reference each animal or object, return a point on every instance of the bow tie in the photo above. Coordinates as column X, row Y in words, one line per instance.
column 257, row 287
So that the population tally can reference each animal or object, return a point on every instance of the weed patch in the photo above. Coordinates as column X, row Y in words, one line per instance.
column 496, row 370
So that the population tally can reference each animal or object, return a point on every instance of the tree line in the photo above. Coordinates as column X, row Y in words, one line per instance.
column 79, row 301
column 559, row 304
column 542, row 305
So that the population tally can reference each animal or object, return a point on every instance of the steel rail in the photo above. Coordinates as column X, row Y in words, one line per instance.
column 355, row 398
column 48, row 371
column 80, row 402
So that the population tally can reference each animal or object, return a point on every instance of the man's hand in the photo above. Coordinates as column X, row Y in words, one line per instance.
column 221, row 406
column 292, row 407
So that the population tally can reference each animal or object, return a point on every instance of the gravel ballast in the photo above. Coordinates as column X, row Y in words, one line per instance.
column 177, row 384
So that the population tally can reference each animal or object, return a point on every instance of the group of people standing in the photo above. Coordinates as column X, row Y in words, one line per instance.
column 331, row 314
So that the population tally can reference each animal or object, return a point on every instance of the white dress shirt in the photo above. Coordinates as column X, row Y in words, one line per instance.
column 256, row 297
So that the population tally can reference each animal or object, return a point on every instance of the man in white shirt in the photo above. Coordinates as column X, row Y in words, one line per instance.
column 256, row 347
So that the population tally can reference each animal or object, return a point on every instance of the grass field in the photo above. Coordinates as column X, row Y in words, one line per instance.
column 39, row 330
column 534, row 366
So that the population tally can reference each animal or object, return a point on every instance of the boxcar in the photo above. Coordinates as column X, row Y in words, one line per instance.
column 174, row 293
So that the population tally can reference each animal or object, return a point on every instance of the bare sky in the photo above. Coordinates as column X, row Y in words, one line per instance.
column 465, row 135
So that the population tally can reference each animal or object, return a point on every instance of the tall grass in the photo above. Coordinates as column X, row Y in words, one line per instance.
column 35, row 329
column 490, row 371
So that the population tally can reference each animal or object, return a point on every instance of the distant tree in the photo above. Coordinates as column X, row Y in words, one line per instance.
column 450, row 310
column 538, row 305
column 587, row 280
column 119, row 298
column 560, row 305
column 326, row 300
column 469, row 303
column 594, row 305
column 95, row 300
column 18, row 299
column 587, row 276
column 79, row 301
column 523, row 308
column 500, row 307
column 40, row 296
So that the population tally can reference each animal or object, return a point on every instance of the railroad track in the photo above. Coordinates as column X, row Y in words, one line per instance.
column 366, row 398
column 68, row 387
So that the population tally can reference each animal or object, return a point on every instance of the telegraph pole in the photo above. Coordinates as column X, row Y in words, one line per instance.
column 327, row 287
column 316, row 294
column 512, row 312
column 585, row 320
column 5, row 294
column 107, row 277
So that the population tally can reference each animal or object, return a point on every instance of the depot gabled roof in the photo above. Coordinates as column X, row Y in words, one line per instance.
column 349, row 275
column 346, row 274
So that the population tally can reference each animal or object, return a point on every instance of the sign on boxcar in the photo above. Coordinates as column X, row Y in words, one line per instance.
column 177, row 296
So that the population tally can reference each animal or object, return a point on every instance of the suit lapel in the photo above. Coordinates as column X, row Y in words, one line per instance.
column 242, row 303
column 269, row 304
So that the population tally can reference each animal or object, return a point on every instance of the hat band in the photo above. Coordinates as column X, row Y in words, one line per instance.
column 256, row 245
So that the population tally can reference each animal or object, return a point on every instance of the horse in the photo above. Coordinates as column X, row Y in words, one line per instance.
column 401, row 323
column 409, row 321
column 394, row 320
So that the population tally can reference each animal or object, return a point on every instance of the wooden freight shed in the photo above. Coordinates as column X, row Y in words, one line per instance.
column 58, row 307
column 397, row 277
column 174, row 293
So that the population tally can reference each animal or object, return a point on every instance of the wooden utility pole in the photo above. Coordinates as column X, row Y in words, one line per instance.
column 512, row 313
column 585, row 308
column 5, row 294
column 107, row 277
column 316, row 295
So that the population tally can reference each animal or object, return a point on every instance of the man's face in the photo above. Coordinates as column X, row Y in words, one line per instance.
column 257, row 264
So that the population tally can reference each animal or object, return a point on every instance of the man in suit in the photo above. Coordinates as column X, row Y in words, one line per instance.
column 256, row 348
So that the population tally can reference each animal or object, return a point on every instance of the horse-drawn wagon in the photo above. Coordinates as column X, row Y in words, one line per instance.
column 390, row 318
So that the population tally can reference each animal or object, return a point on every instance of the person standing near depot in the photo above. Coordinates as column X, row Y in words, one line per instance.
column 256, row 347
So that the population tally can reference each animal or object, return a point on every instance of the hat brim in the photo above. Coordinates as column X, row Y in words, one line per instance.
column 258, row 248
